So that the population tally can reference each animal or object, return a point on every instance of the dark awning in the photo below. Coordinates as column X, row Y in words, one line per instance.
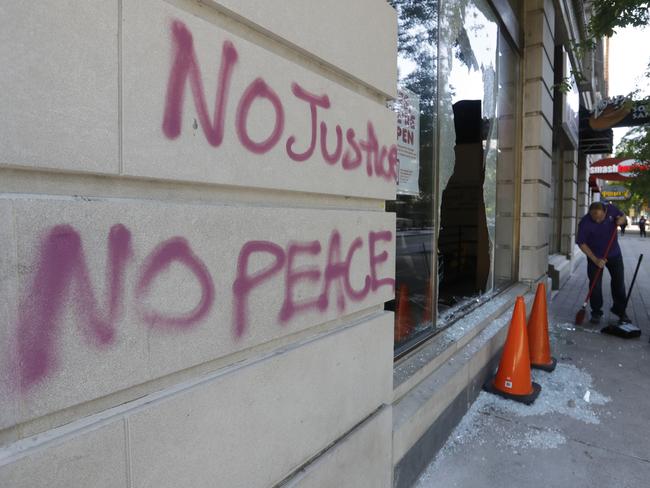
column 594, row 141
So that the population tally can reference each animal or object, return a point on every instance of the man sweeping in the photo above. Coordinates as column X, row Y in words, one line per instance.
column 598, row 240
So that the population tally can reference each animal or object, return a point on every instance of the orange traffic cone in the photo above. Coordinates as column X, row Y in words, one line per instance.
column 513, row 378
column 427, row 315
column 540, row 347
column 403, row 321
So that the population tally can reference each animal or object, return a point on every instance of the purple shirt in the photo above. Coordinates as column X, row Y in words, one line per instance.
column 597, row 236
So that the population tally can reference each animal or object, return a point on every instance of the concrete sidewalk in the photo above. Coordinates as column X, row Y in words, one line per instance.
column 589, row 428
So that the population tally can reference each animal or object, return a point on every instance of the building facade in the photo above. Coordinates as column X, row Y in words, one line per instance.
column 220, row 267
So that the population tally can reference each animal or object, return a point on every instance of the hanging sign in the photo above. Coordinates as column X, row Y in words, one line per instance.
column 408, row 142
column 617, row 169
column 620, row 112
column 614, row 193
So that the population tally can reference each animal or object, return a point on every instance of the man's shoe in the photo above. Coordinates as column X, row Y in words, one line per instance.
column 595, row 317
column 622, row 318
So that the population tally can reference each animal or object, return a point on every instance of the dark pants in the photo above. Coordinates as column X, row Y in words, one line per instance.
column 617, row 273
column 642, row 231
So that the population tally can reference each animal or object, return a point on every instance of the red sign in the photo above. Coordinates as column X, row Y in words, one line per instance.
column 617, row 169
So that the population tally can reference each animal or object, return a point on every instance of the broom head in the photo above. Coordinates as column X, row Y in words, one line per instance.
column 580, row 316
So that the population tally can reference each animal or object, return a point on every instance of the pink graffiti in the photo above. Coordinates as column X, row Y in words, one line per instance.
column 314, row 102
column 375, row 259
column 336, row 271
column 259, row 89
column 381, row 161
column 334, row 157
column 175, row 249
column 62, row 279
column 186, row 67
column 245, row 282
column 60, row 265
column 376, row 156
column 294, row 276
column 62, row 276
column 349, row 163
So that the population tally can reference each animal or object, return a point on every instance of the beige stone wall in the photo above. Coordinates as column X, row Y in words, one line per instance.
column 539, row 24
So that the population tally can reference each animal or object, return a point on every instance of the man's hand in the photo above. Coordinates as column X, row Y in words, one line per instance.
column 590, row 255
column 620, row 221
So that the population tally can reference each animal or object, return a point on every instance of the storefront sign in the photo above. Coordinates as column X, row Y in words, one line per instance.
column 619, row 112
column 408, row 142
column 615, row 193
column 619, row 169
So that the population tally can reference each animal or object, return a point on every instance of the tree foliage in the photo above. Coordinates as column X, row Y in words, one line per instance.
column 417, row 42
column 612, row 14
column 636, row 145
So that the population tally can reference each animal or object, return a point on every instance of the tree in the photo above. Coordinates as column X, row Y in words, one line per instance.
column 636, row 145
column 610, row 14
column 417, row 42
column 635, row 202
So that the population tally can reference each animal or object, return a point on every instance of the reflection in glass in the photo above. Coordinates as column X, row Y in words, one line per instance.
column 472, row 91
column 415, row 107
column 508, row 75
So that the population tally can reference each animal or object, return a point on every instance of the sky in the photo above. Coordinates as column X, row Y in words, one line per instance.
column 629, row 54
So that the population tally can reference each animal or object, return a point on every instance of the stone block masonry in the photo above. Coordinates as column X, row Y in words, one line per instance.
column 537, row 129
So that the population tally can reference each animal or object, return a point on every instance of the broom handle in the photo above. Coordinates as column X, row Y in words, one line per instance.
column 636, row 271
column 600, row 270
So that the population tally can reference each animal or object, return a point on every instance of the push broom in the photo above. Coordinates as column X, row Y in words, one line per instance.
column 625, row 330
column 580, row 316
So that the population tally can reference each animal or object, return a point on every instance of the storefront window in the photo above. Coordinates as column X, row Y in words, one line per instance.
column 456, row 138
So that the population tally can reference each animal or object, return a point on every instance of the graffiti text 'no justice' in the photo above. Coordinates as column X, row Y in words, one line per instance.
column 380, row 160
